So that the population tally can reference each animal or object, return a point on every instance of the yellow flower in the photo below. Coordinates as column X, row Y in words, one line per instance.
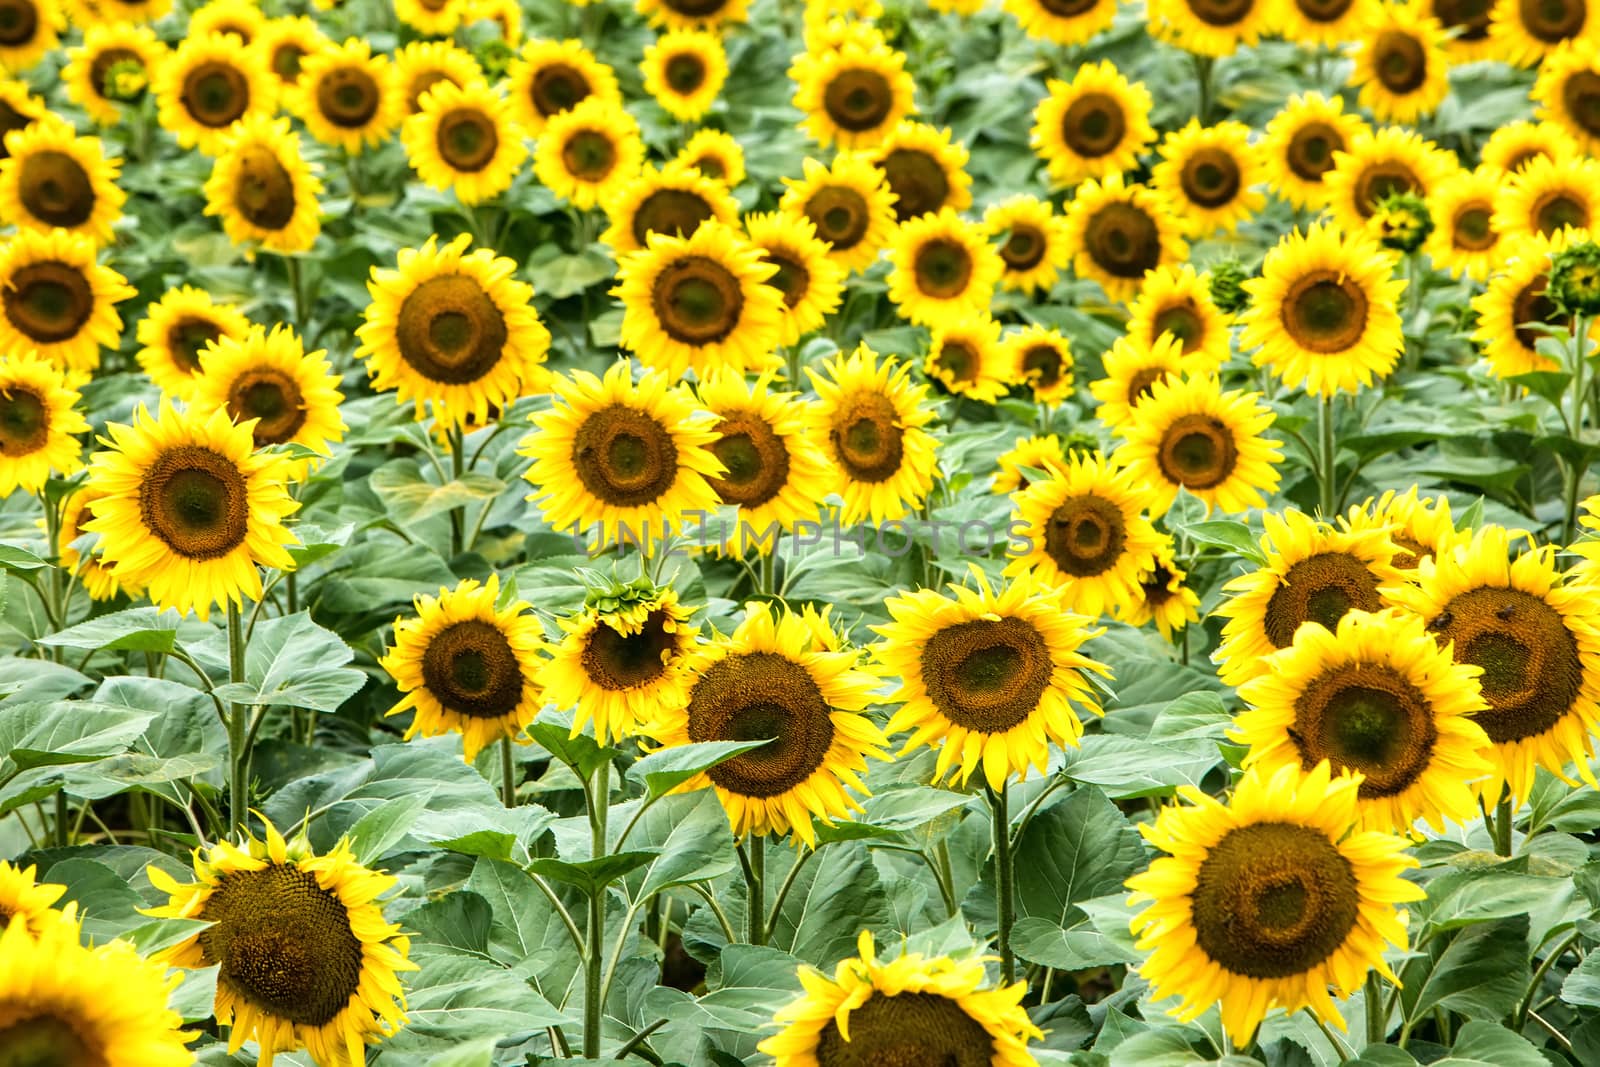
column 1035, row 249
column 431, row 18
column 673, row 202
column 1325, row 23
column 263, row 189
column 1568, row 94
column 1040, row 359
column 1042, row 453
column 924, row 168
column 33, row 32
column 1516, row 144
column 286, row 41
column 589, row 153
column 850, row 205
column 1175, row 302
column 1513, row 302
column 1063, row 22
column 684, row 71
column 85, row 563
column 1120, row 233
column 810, row 281
column 1163, row 597
column 1213, row 28
column 421, row 65
column 176, row 329
column 464, row 140
column 208, row 84
column 1466, row 22
column 1131, row 369
column 852, row 95
column 1401, row 63
column 1523, row 34
column 965, row 356
column 1465, row 240
column 1300, row 146
column 1545, row 196
column 29, row 905
column 234, row 18
column 53, row 179
column 39, row 424
column 692, row 14
column 944, row 267
column 1208, row 174
column 1388, row 160
column 347, row 97
column 1094, row 126
column 57, row 300
column 715, row 154
column 18, row 108
column 114, row 49
column 550, row 77
column 1420, row 527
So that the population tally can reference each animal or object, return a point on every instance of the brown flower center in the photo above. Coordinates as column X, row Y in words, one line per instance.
column 589, row 155
column 104, row 60
column 942, row 268
column 24, row 421
column 918, row 181
column 1531, row 305
column 264, row 190
column 1580, row 98
column 674, row 212
column 472, row 670
column 1182, row 322
column 348, row 96
column 792, row 279
column 617, row 661
column 215, row 93
column 1325, row 311
column 986, row 674
column 196, row 502
column 271, row 397
column 1319, row 589
column 1094, row 124
column 756, row 459
column 48, row 301
column 757, row 696
column 1471, row 229
column 467, row 139
column 1382, row 178
column 858, row 99
column 1322, row 10
column 1024, row 248
column 1558, row 209
column 46, row 1041
column 624, row 456
column 1368, row 718
column 685, row 73
column 866, row 437
column 1198, row 452
column 450, row 331
column 1042, row 366
column 1399, row 61
column 1085, row 535
column 1470, row 16
column 1210, row 177
column 55, row 189
column 1553, row 21
column 1310, row 150
column 1220, row 12
column 908, row 1030
column 697, row 300
column 840, row 215
column 187, row 338
column 1123, row 240
column 556, row 88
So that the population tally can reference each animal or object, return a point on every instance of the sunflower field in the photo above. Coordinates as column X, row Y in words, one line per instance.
column 799, row 533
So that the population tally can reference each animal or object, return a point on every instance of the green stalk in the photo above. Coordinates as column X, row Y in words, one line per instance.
column 594, row 949
column 55, row 608
column 238, row 748
column 1377, row 1010
column 1325, row 459
column 1502, row 824
column 508, row 771
column 1005, row 904
column 1203, row 66
column 756, row 892
column 1575, row 470
column 457, row 466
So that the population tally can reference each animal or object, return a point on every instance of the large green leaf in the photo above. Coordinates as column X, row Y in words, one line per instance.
column 293, row 662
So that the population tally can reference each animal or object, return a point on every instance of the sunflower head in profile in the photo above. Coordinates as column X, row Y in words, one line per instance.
column 1299, row 144
column 1131, row 369
column 1191, row 436
column 421, row 65
column 1176, row 302
column 909, row 1010
column 684, row 70
column 869, row 418
column 347, row 96
column 672, row 201
column 1545, row 197
column 1568, row 95
column 1401, row 62
column 1043, row 454
column 714, row 154
column 176, row 329
column 65, row 1004
column 1523, row 33
column 854, row 94
column 39, row 424
column 589, row 153
column 848, row 203
column 1164, row 598
column 1041, row 360
column 1325, row 311
column 29, row 904
column 467, row 664
column 284, row 44
column 1214, row 28
column 620, row 664
column 1536, row 637
column 1465, row 240
column 188, row 510
column 1329, row 23
column 622, row 458
column 452, row 329
column 1094, row 126
column 1378, row 697
column 810, row 281
column 773, row 473
column 1386, row 161
column 925, row 170
column 264, row 190
column 943, row 268
column 29, row 30
column 1063, row 22
column 1119, row 233
column 304, row 955
column 112, row 68
column 1515, row 302
column 53, row 179
column 965, row 358
column 208, row 84
column 58, row 300
column 1314, row 573
column 80, row 553
column 781, row 678
column 1419, row 526
column 431, row 18
column 700, row 301
column 991, row 679
column 550, row 77
column 1032, row 243
column 464, row 139
column 692, row 14
column 1209, row 174
column 1269, row 899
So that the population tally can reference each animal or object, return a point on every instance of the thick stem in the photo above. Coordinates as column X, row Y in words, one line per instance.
column 508, row 774
column 1326, row 474
column 238, row 746
column 1503, row 817
column 54, row 603
column 755, row 884
column 594, row 950
column 457, row 466
column 1005, row 905
column 1377, row 1011
column 1575, row 470
column 1203, row 66
column 297, row 290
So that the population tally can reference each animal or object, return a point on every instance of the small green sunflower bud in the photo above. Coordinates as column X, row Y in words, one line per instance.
column 1227, row 287
column 1403, row 221
column 126, row 80
column 1574, row 285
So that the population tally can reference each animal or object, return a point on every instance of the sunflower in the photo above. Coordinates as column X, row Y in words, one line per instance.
column 431, row 18
column 1568, row 94
column 700, row 301
column 1063, row 22
column 1420, row 527
column 1313, row 573
column 692, row 14
column 304, row 954
column 589, row 153
column 63, row 1003
column 1466, row 24
column 85, row 563
column 1378, row 164
column 673, row 202
column 453, row 329
column 1465, row 240
column 176, row 329
column 238, row 19
column 504, row 15
column 1326, row 23
column 620, row 667
column 1214, row 28
column 1034, row 251
column 778, row 677
column 267, row 380
column 849, row 204
column 684, row 70
column 108, row 12
column 286, row 41
column 1163, row 597
column 347, row 97
column 39, row 424
column 1300, row 143
column 925, row 170
column 1191, row 435
column 264, row 190
column 1536, row 637
column 810, row 281
column 1522, row 33
column 1131, row 369
column 1086, row 531
column 830, row 25
column 944, row 267
column 852, row 96
column 1040, row 359
column 1514, row 303
column 1175, row 302
column 29, row 905
column 1209, row 174
column 464, row 140
column 208, row 84
column 111, row 51
column 964, row 356
column 1324, row 312
column 52, row 179
column 1121, row 233
column 1543, row 197
column 18, row 108
column 467, row 664
column 629, row 459
column 991, row 680
column 421, row 65
column 31, row 29
column 869, row 420
column 550, row 77
column 714, row 154
column 1516, row 144
column 1401, row 62
column 1043, row 453
column 1094, row 126
column 57, row 300
column 1267, row 900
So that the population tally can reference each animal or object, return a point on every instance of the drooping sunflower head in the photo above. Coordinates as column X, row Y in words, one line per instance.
column 781, row 679
column 715, row 154
column 1523, row 33
column 29, row 904
column 1568, row 94
column 1547, row 196
column 589, row 153
column 1314, row 573
column 269, row 381
column 53, row 179
column 1213, row 28
column 1269, row 899
column 1094, row 126
column 1209, row 175
column 1465, row 239
column 1043, row 454
column 263, row 189
column 1064, row 22
column 421, row 65
column 209, row 83
column 1033, row 248
column 684, row 70
column 870, row 419
column 57, row 299
column 39, row 424
column 673, row 201
column 854, row 94
column 1300, row 143
column 1420, row 527
column 1516, row 144
column 909, row 1010
column 850, row 205
column 1040, row 359
column 965, row 357
column 925, row 170
column 114, row 66
column 1175, row 302
column 1515, row 303
column 304, row 955
column 29, row 30
column 452, row 329
column 284, row 44
column 1324, row 312
column 1120, row 233
column 176, row 329
column 347, row 96
column 810, row 281
column 1131, row 370
column 700, row 301
column 692, row 14
column 621, row 458
column 1164, row 598
column 944, row 267
column 468, row 664
column 1390, row 160
column 464, row 139
column 1401, row 63
column 550, row 77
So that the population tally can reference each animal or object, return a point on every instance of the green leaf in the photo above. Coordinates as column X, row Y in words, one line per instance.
column 1482, row 972
column 1045, row 942
column 318, row 542
column 1127, row 767
column 564, row 275
column 293, row 662
column 19, row 560
column 593, row 876
column 1192, row 717
column 1079, row 848
column 663, row 771
column 1482, row 1043
column 380, row 829
column 409, row 498
column 134, row 630
column 1227, row 534
column 1582, row 985
column 582, row 753
column 1550, row 385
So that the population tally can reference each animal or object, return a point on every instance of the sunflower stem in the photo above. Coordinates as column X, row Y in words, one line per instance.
column 1005, row 905
column 1203, row 66
column 755, row 881
column 1502, row 824
column 297, row 292
column 1377, row 1011
column 508, row 775
column 1325, row 458
column 238, row 745
column 457, row 466
column 594, row 955
column 55, row 606
column 1575, row 469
